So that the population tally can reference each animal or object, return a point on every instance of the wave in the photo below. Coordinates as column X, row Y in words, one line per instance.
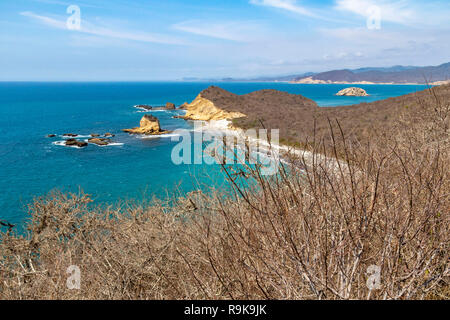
column 63, row 144
column 147, row 111
column 154, row 136
column 112, row 144
column 76, row 137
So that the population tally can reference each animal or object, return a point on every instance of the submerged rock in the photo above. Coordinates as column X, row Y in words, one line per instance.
column 51, row 135
column 75, row 142
column 353, row 91
column 149, row 125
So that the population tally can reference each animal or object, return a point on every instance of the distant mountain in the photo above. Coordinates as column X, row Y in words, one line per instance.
column 396, row 74
column 390, row 69
column 283, row 78
column 262, row 78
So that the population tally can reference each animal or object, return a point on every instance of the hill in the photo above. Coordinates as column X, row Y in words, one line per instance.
column 396, row 74
column 299, row 118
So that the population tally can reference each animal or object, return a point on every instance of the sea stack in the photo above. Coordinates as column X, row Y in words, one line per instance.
column 149, row 125
column 170, row 106
column 353, row 91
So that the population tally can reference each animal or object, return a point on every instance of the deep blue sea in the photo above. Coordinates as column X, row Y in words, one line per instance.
column 135, row 169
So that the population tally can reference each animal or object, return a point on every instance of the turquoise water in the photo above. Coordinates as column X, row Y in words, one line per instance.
column 31, row 165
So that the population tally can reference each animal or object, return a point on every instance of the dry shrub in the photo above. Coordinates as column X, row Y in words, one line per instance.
column 315, row 231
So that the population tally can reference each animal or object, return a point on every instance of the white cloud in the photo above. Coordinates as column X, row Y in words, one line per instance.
column 45, row 20
column 230, row 30
column 289, row 5
column 394, row 11
column 88, row 28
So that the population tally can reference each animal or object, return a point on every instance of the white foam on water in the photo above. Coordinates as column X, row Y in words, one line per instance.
column 63, row 144
column 112, row 144
column 75, row 137
column 154, row 136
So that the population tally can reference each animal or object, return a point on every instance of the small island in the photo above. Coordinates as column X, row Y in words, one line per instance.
column 353, row 91
column 149, row 125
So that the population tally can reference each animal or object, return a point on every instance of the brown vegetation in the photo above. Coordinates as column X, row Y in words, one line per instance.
column 314, row 233
column 299, row 120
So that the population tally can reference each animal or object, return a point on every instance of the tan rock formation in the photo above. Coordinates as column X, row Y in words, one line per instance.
column 205, row 110
column 353, row 91
column 149, row 125
column 170, row 106
column 74, row 142
column 99, row 141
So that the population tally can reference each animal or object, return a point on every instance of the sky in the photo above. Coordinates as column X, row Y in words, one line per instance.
column 151, row 40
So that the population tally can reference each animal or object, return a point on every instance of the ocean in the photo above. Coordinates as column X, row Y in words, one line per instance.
column 132, row 169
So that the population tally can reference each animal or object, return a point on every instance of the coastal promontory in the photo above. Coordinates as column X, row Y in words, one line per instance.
column 300, row 121
column 204, row 108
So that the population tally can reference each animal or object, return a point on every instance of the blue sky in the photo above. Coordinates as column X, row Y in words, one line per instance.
column 171, row 39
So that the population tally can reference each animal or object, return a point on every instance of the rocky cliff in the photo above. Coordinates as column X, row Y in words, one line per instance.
column 204, row 109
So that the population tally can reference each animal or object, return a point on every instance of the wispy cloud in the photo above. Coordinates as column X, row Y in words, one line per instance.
column 45, row 20
column 64, row 3
column 410, row 13
column 228, row 30
column 91, row 29
column 393, row 11
column 292, row 6
column 289, row 5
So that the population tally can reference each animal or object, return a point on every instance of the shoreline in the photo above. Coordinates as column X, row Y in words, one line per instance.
column 225, row 127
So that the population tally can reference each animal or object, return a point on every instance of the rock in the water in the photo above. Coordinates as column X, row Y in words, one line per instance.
column 74, row 142
column 149, row 125
column 144, row 106
column 94, row 135
column 51, row 135
column 109, row 134
column 70, row 135
column 170, row 106
column 99, row 141
column 353, row 91
column 184, row 105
